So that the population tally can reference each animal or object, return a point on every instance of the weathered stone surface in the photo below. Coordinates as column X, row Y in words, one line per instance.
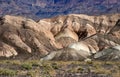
column 109, row 54
column 65, row 41
column 66, row 54
column 6, row 50
column 67, row 33
column 26, row 36
column 70, row 36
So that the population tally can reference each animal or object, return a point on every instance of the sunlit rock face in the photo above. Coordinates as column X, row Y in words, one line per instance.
column 37, row 9
column 24, row 36
column 74, row 36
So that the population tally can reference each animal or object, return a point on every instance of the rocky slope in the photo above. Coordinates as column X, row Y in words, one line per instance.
column 48, row 8
column 68, row 37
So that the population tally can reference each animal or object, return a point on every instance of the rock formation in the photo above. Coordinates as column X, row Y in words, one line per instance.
column 74, row 36
column 112, row 53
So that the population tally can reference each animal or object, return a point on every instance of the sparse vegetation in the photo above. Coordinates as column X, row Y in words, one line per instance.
column 7, row 72
column 36, row 68
column 26, row 66
column 31, row 73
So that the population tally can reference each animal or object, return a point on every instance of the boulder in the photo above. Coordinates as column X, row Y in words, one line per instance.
column 66, row 54
column 75, row 51
column 84, row 47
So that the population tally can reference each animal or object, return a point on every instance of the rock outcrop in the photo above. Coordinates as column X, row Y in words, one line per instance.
column 6, row 50
column 112, row 53
column 25, row 36
column 74, row 36
column 66, row 54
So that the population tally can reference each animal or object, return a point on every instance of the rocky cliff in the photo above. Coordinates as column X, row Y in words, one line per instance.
column 67, row 37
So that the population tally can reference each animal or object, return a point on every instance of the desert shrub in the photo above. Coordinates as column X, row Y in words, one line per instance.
column 26, row 66
column 8, row 72
column 35, row 64
column 55, row 66
column 31, row 73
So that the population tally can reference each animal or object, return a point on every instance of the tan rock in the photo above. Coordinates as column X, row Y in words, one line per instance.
column 15, row 21
column 15, row 40
column 53, row 34
column 65, row 41
column 67, row 33
column 65, row 54
column 86, row 47
column 6, row 50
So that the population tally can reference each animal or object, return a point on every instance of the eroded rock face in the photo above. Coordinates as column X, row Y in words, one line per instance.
column 6, row 50
column 75, row 51
column 67, row 33
column 112, row 53
column 94, row 34
column 66, row 54
column 65, row 41
column 62, row 35
column 26, row 36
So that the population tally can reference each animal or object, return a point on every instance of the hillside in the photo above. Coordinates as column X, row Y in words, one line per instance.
column 37, row 9
column 60, row 37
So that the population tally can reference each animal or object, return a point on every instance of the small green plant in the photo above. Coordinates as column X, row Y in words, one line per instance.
column 48, row 69
column 8, row 72
column 31, row 73
column 16, row 62
column 80, row 69
column 75, row 70
column 88, row 61
column 26, row 66
column 55, row 66
column 35, row 64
